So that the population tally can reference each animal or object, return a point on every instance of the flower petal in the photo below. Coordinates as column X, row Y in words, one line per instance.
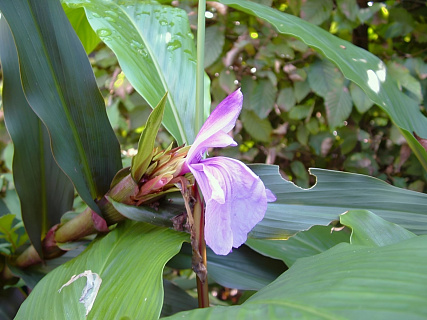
column 214, row 131
column 228, row 222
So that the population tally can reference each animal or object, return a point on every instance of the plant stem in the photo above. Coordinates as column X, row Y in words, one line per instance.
column 199, row 227
column 200, row 75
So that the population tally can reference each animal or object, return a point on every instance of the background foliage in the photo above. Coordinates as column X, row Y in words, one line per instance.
column 299, row 112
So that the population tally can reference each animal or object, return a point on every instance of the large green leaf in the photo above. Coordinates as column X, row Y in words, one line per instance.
column 358, row 65
column 129, row 261
column 345, row 282
column 369, row 229
column 335, row 192
column 60, row 87
column 228, row 271
column 81, row 26
column 304, row 244
column 156, row 50
column 44, row 190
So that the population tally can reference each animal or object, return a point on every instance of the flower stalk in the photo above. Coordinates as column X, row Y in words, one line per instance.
column 199, row 221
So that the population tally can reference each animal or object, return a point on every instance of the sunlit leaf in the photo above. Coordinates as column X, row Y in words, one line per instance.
column 131, row 283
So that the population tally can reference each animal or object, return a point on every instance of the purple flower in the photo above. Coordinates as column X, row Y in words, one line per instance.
column 236, row 198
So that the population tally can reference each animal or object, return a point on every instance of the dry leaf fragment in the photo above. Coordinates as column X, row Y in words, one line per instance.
column 90, row 291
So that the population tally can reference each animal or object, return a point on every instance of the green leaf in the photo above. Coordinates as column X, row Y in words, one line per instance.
column 129, row 260
column 316, row 11
column 338, row 106
column 176, row 300
column 324, row 77
column 358, row 65
column 45, row 192
column 349, row 8
column 404, row 79
column 335, row 192
column 260, row 97
column 159, row 215
column 286, row 99
column 142, row 159
column 214, row 41
column 360, row 99
column 345, row 282
column 81, row 26
column 259, row 129
column 301, row 112
column 304, row 244
column 61, row 89
column 258, row 270
column 369, row 229
column 156, row 51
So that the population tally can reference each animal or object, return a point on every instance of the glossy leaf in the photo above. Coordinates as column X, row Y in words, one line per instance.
column 358, row 65
column 45, row 192
column 304, row 244
column 156, row 51
column 345, row 282
column 369, row 229
column 335, row 192
column 131, row 283
column 81, row 26
column 142, row 159
column 61, row 89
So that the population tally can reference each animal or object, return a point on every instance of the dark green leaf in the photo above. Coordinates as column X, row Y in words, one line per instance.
column 214, row 41
column 159, row 214
column 316, row 11
column 44, row 190
column 242, row 269
column 286, row 99
column 61, row 89
column 335, row 192
column 176, row 300
column 360, row 99
column 324, row 77
column 259, row 129
column 338, row 106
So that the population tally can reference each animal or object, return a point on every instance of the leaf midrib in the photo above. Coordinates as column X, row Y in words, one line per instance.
column 78, row 142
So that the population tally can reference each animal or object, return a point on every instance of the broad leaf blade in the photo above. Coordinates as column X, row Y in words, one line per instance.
column 131, row 283
column 44, row 190
column 155, row 49
column 141, row 160
column 61, row 89
column 358, row 65
column 81, row 26
column 335, row 192
column 304, row 244
column 228, row 271
column 369, row 229
column 345, row 282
